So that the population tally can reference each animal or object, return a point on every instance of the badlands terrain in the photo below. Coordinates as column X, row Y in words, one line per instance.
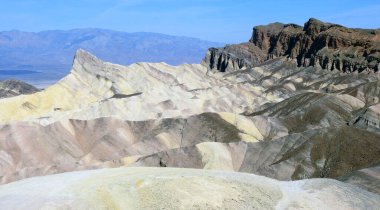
column 293, row 103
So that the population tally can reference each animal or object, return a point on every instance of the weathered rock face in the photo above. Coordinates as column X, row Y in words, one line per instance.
column 232, row 57
column 319, row 44
column 10, row 88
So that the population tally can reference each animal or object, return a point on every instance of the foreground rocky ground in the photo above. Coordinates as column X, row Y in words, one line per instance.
column 164, row 188
column 273, row 119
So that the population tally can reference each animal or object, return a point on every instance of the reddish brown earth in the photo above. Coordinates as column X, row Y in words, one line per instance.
column 325, row 45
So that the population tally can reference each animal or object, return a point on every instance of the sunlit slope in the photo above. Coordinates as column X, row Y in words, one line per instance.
column 166, row 188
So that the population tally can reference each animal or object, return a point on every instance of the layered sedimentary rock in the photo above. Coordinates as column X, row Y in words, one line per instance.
column 158, row 188
column 137, row 92
column 233, row 57
column 10, row 88
column 266, row 107
column 276, row 119
column 70, row 145
column 319, row 44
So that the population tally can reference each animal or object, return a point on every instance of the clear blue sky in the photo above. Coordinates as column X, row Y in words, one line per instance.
column 228, row 21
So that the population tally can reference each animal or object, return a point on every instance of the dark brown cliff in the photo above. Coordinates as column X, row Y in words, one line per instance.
column 325, row 45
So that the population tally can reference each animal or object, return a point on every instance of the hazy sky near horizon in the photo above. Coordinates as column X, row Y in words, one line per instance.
column 214, row 20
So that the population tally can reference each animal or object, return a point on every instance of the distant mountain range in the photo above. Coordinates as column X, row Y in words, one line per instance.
column 54, row 50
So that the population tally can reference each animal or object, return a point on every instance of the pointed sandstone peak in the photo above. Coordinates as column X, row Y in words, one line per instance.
column 82, row 56
column 85, row 62
column 89, row 71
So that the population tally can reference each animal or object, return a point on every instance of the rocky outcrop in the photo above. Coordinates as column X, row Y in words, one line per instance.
column 10, row 88
column 319, row 44
column 233, row 57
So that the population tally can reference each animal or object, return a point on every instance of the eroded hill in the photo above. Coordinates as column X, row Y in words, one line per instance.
column 275, row 120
